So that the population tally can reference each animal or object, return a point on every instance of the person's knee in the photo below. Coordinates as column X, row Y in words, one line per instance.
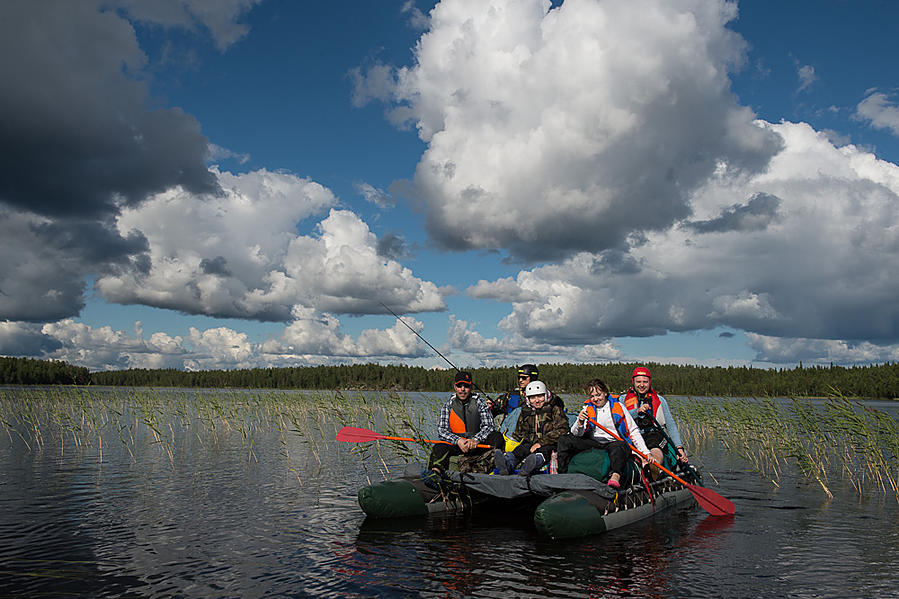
column 496, row 439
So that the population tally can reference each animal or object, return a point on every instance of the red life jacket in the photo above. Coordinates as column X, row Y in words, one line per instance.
column 632, row 401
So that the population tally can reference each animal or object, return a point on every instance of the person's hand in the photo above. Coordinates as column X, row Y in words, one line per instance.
column 463, row 444
column 652, row 458
column 582, row 416
column 535, row 447
column 681, row 455
column 643, row 408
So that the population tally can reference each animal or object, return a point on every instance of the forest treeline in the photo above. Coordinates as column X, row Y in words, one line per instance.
column 872, row 381
column 27, row 371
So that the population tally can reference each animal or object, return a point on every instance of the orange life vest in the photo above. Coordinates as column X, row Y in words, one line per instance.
column 457, row 417
column 617, row 417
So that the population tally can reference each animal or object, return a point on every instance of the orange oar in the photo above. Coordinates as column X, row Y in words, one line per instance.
column 352, row 434
column 710, row 501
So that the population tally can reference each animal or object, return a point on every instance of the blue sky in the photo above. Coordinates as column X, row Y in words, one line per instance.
column 201, row 184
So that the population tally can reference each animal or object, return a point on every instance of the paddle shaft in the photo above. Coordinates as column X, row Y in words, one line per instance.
column 667, row 438
column 352, row 434
column 480, row 445
column 639, row 453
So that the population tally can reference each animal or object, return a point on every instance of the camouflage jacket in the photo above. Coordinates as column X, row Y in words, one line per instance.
column 543, row 426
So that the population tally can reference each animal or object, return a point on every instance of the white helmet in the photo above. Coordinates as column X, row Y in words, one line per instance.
column 535, row 388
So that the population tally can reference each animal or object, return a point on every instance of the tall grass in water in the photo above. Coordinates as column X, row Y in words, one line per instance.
column 174, row 423
column 840, row 439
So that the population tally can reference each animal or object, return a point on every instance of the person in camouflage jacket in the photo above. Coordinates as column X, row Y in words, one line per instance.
column 541, row 423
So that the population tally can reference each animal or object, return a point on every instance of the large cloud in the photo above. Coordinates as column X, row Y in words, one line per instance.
column 84, row 140
column 552, row 132
column 106, row 183
column 238, row 255
column 37, row 283
column 45, row 261
column 804, row 250
column 86, row 136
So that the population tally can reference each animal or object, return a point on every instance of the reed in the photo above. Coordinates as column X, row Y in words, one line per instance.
column 839, row 438
column 836, row 439
column 171, row 423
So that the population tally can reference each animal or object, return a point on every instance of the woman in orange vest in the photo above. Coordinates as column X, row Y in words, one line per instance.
column 607, row 411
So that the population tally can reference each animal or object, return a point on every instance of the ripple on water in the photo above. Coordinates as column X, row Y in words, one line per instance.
column 216, row 521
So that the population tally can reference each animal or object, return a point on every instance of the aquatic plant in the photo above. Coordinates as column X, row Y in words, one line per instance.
column 839, row 437
column 172, row 423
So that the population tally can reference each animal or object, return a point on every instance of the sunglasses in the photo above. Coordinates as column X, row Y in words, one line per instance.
column 465, row 385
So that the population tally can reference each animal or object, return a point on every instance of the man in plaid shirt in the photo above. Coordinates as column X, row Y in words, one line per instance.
column 465, row 423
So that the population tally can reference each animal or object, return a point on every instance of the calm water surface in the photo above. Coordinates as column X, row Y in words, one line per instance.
column 269, row 512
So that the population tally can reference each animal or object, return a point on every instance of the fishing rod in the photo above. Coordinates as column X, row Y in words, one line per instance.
column 456, row 368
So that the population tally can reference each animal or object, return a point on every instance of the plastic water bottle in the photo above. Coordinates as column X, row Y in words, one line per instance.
column 553, row 463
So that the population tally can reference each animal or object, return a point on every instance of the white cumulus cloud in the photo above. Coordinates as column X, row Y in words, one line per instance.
column 556, row 131
column 238, row 254
column 879, row 111
column 816, row 261
column 312, row 338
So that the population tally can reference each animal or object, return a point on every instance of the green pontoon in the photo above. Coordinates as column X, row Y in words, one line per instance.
column 576, row 504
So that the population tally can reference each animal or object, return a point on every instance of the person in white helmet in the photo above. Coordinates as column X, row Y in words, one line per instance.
column 539, row 427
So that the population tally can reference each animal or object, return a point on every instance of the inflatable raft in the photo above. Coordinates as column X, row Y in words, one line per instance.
column 562, row 505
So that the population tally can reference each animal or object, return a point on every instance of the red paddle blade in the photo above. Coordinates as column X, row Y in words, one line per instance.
column 352, row 434
column 712, row 502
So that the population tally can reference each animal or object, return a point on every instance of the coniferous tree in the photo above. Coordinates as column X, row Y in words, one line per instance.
column 872, row 381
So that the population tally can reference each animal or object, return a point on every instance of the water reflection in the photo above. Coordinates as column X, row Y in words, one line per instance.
column 257, row 509
column 466, row 557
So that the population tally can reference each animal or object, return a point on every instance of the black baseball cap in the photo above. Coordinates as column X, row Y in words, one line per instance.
column 463, row 377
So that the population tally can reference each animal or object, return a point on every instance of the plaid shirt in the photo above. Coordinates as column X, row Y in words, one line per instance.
column 443, row 425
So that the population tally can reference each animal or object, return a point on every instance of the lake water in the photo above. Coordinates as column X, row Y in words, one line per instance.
column 248, row 499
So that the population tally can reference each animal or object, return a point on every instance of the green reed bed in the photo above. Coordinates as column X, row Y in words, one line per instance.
column 172, row 423
column 840, row 438
column 392, row 414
